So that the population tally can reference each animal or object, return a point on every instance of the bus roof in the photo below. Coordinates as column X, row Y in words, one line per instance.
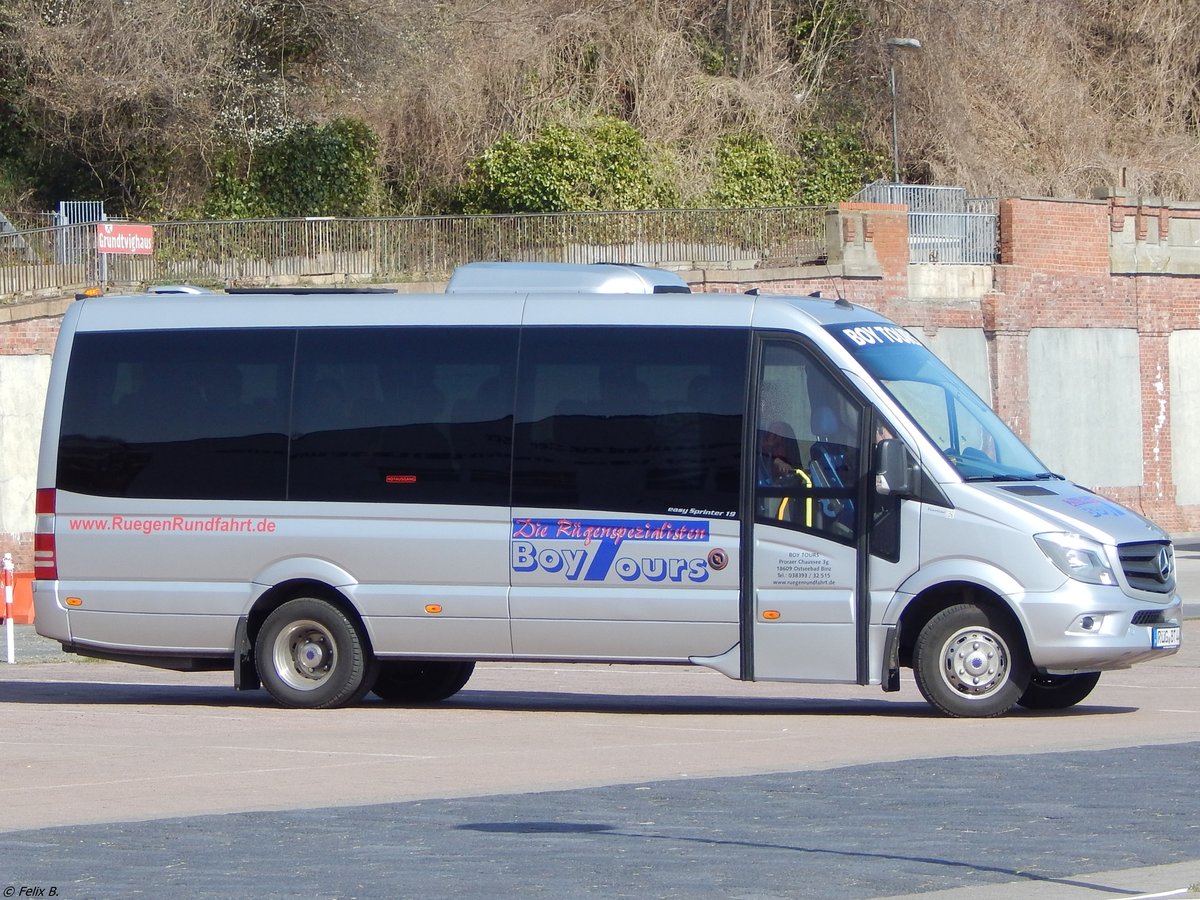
column 563, row 278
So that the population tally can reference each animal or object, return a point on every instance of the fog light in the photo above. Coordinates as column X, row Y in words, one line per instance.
column 1092, row 623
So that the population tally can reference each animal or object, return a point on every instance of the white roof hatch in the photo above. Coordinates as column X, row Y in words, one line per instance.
column 563, row 278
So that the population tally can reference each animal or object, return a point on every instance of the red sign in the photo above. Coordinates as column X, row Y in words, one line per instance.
column 120, row 237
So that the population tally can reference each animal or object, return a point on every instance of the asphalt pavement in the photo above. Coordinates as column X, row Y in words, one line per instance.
column 906, row 829
column 31, row 647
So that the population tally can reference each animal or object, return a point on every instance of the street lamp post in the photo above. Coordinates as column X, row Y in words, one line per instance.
column 893, row 44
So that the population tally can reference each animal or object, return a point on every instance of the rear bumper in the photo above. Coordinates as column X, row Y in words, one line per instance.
column 49, row 616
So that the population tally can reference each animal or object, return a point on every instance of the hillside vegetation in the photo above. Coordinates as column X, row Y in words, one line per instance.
column 179, row 108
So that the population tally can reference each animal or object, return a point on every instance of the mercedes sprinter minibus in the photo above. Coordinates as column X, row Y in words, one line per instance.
column 337, row 494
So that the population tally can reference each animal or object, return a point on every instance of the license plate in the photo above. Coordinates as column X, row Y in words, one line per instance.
column 1165, row 637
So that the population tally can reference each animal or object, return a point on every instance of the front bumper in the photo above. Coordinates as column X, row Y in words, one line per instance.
column 1085, row 628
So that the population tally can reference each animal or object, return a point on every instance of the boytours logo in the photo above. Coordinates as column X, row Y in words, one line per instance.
column 598, row 547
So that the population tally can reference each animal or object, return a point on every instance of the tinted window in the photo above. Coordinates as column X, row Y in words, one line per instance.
column 630, row 419
column 416, row 415
column 175, row 414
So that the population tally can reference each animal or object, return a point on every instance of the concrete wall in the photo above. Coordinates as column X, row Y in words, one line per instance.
column 1185, row 415
column 1085, row 405
column 27, row 336
column 23, row 381
column 1089, row 319
column 1059, row 272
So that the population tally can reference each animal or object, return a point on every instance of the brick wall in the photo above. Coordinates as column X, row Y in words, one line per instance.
column 29, row 337
column 1068, row 237
column 31, row 328
column 1055, row 272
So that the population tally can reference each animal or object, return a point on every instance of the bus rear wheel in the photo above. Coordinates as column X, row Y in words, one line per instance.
column 311, row 655
column 970, row 662
column 1058, row 691
column 421, row 681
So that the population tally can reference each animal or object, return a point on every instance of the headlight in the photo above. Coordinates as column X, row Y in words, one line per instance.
column 1077, row 557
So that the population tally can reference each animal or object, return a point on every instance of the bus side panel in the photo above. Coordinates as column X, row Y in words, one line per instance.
column 210, row 560
column 608, row 586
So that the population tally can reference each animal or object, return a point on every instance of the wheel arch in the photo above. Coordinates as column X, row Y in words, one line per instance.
column 932, row 600
column 277, row 595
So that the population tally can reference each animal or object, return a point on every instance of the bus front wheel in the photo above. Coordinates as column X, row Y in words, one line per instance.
column 969, row 661
column 311, row 655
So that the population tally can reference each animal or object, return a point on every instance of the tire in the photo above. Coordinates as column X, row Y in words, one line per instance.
column 970, row 661
column 421, row 681
column 1058, row 691
column 311, row 655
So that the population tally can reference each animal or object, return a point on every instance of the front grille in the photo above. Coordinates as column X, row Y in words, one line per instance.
column 1149, row 566
column 1148, row 617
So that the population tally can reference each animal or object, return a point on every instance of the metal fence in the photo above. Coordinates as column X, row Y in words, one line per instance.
column 944, row 224
column 48, row 259
column 425, row 248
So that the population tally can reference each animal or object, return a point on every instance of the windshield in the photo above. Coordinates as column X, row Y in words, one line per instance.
column 962, row 426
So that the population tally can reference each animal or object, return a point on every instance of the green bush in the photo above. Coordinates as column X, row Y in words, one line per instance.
column 233, row 194
column 605, row 165
column 834, row 165
column 314, row 170
column 750, row 171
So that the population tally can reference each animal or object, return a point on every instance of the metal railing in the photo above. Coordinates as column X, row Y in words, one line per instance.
column 944, row 224
column 412, row 248
column 48, row 259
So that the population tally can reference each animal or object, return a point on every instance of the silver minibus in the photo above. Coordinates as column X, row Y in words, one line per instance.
column 338, row 493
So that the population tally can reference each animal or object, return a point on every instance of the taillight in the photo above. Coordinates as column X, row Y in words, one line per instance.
column 44, row 501
column 45, row 557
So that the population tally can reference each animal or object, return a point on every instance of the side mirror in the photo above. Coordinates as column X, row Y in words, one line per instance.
column 894, row 468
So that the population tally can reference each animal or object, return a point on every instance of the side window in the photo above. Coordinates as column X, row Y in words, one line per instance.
column 177, row 414
column 644, row 420
column 807, row 468
column 403, row 415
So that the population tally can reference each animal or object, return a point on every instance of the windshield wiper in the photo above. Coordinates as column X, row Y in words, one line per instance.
column 1014, row 476
column 1003, row 476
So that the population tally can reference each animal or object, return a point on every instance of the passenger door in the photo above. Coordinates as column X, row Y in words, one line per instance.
column 809, row 498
